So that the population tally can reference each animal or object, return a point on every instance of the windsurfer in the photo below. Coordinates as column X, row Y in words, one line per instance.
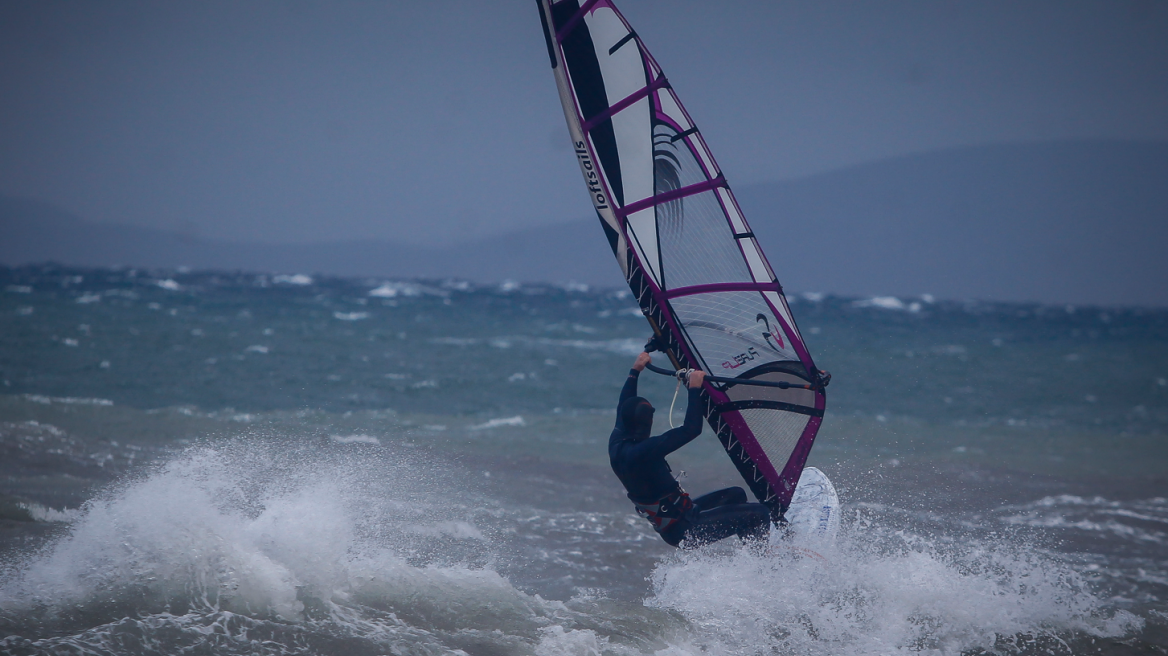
column 639, row 462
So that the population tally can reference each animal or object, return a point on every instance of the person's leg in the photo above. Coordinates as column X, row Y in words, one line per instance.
column 749, row 521
column 720, row 498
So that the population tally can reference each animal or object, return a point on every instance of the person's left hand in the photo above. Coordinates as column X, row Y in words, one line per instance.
column 696, row 378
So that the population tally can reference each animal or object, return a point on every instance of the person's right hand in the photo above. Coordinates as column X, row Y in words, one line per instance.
column 642, row 360
column 696, row 378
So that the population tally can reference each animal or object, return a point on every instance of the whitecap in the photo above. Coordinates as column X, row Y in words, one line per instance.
column 46, row 514
column 168, row 284
column 394, row 289
column 884, row 303
column 351, row 316
column 498, row 423
column 256, row 348
column 457, row 285
column 68, row 400
column 295, row 279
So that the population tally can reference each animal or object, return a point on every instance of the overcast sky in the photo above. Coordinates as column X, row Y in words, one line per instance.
column 427, row 121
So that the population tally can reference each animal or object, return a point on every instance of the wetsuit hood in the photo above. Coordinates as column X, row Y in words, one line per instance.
column 636, row 415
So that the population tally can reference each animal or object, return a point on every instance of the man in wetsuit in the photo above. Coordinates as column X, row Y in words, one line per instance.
column 639, row 462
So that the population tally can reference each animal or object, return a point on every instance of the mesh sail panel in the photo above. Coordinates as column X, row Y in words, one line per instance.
column 696, row 245
column 776, row 431
column 726, row 330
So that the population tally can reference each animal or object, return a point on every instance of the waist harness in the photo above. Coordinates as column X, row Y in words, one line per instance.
column 666, row 511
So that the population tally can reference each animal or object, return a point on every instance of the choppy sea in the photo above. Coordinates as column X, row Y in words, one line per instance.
column 228, row 463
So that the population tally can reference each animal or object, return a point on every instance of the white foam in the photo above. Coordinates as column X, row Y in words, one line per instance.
column 295, row 279
column 67, row 400
column 256, row 348
column 454, row 529
column 498, row 423
column 457, row 285
column 355, row 439
column 883, row 302
column 626, row 346
column 1130, row 520
column 245, row 528
column 351, row 316
column 879, row 591
column 395, row 289
column 557, row 641
column 89, row 298
column 52, row 515
column 168, row 284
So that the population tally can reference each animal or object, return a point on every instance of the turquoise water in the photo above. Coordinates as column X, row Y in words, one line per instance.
column 245, row 463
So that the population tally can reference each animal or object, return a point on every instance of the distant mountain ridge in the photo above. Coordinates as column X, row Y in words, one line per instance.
column 1075, row 222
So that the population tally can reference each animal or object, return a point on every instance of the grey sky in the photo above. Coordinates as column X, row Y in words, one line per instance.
column 427, row 121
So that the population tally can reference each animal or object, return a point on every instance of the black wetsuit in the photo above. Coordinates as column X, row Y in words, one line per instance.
column 640, row 465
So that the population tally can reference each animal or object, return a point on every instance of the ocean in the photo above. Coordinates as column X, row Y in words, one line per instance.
column 235, row 463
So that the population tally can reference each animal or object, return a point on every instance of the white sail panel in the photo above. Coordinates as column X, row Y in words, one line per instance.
column 669, row 99
column 737, row 223
column 777, row 432
column 754, row 259
column 669, row 107
column 634, row 139
column 642, row 226
column 624, row 75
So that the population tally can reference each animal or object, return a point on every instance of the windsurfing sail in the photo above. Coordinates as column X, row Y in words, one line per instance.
column 686, row 251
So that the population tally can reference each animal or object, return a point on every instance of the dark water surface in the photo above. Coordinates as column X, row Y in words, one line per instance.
column 229, row 463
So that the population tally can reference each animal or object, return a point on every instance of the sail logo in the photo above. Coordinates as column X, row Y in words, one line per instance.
column 770, row 333
column 741, row 359
column 591, row 176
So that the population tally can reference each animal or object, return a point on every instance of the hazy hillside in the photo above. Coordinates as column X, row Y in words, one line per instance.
column 574, row 251
column 1015, row 222
column 1021, row 222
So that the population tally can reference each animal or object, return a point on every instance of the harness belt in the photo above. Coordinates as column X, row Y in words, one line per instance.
column 666, row 511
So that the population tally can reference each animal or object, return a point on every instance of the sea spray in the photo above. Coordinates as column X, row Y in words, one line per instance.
column 881, row 590
column 306, row 544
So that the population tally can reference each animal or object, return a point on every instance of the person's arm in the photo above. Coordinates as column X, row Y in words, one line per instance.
column 630, row 388
column 674, row 439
